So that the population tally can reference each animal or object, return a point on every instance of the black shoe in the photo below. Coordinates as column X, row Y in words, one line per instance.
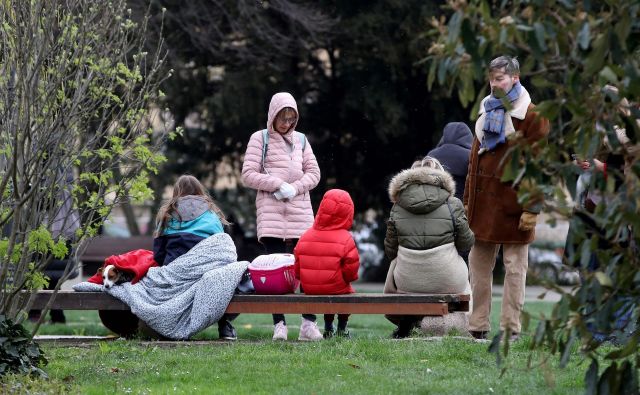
column 513, row 336
column 343, row 333
column 480, row 335
column 328, row 333
column 226, row 331
column 401, row 332
column 57, row 317
column 34, row 315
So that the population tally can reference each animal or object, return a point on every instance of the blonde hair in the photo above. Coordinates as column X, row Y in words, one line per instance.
column 428, row 161
column 186, row 185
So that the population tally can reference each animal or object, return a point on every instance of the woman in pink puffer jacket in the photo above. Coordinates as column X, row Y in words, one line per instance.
column 283, row 182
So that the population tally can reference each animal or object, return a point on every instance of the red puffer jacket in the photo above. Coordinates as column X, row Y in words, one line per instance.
column 326, row 256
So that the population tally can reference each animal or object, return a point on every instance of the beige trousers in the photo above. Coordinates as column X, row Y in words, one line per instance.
column 482, row 260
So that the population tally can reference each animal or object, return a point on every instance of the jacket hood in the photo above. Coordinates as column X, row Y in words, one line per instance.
column 454, row 148
column 335, row 211
column 457, row 133
column 190, row 207
column 421, row 190
column 279, row 101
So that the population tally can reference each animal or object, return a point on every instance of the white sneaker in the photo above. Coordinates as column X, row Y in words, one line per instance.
column 280, row 331
column 309, row 331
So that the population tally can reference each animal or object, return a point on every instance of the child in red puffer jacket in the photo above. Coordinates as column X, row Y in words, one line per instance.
column 327, row 259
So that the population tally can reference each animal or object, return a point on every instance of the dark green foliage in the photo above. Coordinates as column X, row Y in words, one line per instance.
column 18, row 352
column 571, row 53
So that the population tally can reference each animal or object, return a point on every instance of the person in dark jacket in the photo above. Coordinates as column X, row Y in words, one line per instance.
column 453, row 151
column 188, row 218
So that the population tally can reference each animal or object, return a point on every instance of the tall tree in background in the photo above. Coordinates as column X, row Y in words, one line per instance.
column 351, row 65
column 228, row 57
column 573, row 53
column 374, row 114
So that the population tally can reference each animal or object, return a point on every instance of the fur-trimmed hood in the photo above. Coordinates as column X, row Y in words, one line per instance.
column 422, row 189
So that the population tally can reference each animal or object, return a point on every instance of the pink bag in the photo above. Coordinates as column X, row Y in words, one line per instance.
column 273, row 274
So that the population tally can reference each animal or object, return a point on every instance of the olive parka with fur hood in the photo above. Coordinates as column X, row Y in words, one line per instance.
column 420, row 218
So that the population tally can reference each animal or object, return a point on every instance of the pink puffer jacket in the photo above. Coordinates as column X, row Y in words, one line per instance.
column 285, row 162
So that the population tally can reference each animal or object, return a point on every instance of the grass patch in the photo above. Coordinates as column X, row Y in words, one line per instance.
column 336, row 366
column 79, row 323
column 368, row 363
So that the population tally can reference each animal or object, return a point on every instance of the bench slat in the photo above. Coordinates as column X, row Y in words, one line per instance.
column 361, row 303
column 71, row 300
column 310, row 307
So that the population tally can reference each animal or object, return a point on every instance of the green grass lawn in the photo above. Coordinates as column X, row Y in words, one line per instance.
column 369, row 363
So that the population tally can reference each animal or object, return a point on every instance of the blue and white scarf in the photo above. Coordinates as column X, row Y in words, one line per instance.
column 493, row 128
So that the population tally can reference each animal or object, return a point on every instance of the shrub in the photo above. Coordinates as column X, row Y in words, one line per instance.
column 18, row 352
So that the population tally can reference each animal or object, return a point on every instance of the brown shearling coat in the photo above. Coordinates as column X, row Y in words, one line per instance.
column 492, row 206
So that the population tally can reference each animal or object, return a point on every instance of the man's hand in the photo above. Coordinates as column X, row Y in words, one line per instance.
column 586, row 165
column 527, row 221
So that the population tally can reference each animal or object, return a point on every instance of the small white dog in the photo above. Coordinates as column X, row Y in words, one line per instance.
column 111, row 276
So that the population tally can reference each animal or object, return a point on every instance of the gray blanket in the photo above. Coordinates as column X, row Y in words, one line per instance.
column 188, row 295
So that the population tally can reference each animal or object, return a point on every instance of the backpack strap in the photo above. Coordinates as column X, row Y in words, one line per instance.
column 265, row 146
column 303, row 140
column 455, row 233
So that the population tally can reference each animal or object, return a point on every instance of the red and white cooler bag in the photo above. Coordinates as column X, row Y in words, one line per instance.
column 273, row 274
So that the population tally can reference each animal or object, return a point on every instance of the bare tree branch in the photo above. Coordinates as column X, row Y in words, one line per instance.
column 244, row 31
column 75, row 91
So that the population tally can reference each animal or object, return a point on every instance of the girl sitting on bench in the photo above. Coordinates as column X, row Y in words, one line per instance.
column 188, row 218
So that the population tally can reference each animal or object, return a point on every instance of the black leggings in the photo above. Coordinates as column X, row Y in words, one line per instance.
column 342, row 321
column 274, row 245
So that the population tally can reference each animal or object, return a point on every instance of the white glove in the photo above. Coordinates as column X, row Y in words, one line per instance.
column 278, row 195
column 287, row 190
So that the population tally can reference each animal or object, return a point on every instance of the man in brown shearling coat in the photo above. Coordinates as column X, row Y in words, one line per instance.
column 492, row 206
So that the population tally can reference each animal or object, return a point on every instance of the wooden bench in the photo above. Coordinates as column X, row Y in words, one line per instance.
column 117, row 317
column 360, row 303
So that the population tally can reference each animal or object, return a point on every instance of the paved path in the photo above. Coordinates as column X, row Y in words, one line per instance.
column 531, row 293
